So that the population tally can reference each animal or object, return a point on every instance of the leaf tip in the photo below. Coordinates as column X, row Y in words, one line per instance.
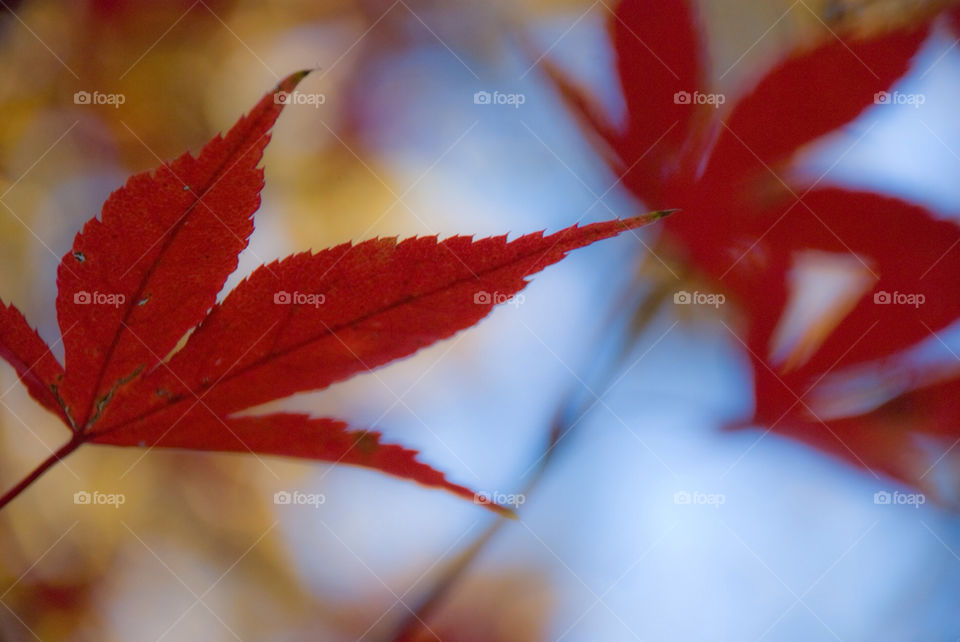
column 291, row 81
column 659, row 214
column 644, row 219
column 297, row 76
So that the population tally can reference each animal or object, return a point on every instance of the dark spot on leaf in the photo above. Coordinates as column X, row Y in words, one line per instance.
column 79, row 256
column 366, row 444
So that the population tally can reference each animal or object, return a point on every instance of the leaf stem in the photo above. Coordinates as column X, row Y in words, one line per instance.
column 35, row 474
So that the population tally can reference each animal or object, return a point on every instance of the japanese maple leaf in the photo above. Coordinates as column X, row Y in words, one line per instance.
column 147, row 272
column 749, row 220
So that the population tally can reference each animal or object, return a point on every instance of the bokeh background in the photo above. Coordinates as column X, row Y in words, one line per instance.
column 602, row 550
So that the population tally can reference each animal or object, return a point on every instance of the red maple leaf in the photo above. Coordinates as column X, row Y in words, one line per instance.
column 147, row 272
column 748, row 219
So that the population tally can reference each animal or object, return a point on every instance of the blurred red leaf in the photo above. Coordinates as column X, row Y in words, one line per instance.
column 748, row 220
column 658, row 55
column 894, row 438
column 806, row 96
